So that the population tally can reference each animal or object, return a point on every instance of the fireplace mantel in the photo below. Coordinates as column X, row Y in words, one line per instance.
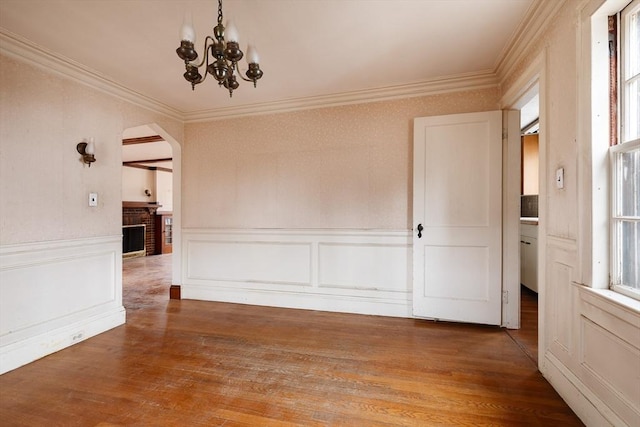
column 151, row 206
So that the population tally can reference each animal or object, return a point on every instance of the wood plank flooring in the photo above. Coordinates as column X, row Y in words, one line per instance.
column 527, row 336
column 195, row 363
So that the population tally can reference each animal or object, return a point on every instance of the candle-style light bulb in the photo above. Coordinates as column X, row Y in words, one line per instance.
column 252, row 55
column 91, row 147
column 187, row 32
column 231, row 32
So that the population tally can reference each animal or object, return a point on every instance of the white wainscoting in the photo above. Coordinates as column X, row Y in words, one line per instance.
column 55, row 294
column 609, row 352
column 592, row 353
column 353, row 271
column 560, row 296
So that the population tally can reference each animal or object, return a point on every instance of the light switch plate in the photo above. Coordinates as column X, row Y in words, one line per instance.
column 560, row 178
column 93, row 199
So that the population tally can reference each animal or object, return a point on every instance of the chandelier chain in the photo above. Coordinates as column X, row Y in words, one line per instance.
column 219, row 11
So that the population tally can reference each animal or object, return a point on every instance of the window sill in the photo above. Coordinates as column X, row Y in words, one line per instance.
column 609, row 297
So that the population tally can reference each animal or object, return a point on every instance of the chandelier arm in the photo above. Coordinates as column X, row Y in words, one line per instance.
column 206, row 68
column 235, row 69
column 243, row 77
column 205, row 59
column 206, row 52
column 204, row 77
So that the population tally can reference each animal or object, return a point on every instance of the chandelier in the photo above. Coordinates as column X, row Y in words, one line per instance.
column 221, row 55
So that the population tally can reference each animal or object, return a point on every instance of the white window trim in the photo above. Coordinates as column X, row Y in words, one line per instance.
column 623, row 65
column 616, row 258
column 624, row 145
column 593, row 137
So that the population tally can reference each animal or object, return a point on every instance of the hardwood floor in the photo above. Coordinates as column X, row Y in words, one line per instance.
column 195, row 363
column 527, row 336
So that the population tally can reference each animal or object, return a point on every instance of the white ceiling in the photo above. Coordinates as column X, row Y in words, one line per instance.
column 308, row 48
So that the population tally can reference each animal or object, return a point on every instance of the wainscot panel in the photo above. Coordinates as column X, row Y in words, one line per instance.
column 561, row 266
column 363, row 266
column 610, row 353
column 355, row 271
column 250, row 261
column 55, row 294
column 591, row 354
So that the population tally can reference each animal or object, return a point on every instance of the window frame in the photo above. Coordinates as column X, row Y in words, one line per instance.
column 624, row 145
column 624, row 71
column 617, row 219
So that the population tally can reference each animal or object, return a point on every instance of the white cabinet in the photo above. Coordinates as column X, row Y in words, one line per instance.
column 529, row 256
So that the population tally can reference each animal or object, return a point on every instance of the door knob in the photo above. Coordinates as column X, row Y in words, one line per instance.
column 420, row 228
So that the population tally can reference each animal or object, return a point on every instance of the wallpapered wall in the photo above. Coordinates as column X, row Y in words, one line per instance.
column 43, row 184
column 338, row 167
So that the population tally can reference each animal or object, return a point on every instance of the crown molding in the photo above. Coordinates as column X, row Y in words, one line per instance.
column 534, row 24
column 457, row 83
column 536, row 21
column 19, row 48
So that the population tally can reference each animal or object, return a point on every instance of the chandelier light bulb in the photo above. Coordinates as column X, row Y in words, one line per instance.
column 231, row 32
column 187, row 32
column 252, row 55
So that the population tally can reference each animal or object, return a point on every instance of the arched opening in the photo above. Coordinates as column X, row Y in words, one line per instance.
column 151, row 200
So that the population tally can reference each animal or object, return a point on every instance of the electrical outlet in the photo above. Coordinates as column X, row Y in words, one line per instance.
column 93, row 199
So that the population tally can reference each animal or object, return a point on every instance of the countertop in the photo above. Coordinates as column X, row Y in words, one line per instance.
column 529, row 220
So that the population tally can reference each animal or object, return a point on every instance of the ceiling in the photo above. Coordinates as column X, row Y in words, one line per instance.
column 142, row 153
column 309, row 49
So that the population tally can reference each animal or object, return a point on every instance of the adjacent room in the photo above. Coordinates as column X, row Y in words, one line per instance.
column 326, row 212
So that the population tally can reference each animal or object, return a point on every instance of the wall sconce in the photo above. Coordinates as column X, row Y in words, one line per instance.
column 87, row 149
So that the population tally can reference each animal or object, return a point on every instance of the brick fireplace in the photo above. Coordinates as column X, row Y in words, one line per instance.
column 138, row 213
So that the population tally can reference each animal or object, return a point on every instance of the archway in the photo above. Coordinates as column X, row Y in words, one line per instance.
column 152, row 160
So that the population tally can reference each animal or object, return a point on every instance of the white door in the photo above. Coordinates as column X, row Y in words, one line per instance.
column 457, row 217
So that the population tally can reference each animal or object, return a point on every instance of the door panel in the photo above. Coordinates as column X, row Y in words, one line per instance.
column 472, row 280
column 458, row 201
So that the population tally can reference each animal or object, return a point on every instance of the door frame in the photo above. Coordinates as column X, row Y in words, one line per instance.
column 535, row 73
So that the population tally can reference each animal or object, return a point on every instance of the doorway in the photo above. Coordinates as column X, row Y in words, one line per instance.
column 529, row 166
column 151, row 196
column 527, row 335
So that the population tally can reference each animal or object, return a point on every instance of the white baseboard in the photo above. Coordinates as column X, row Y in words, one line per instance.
column 299, row 300
column 20, row 353
column 588, row 407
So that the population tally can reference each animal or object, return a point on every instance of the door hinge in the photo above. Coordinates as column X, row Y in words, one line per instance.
column 505, row 297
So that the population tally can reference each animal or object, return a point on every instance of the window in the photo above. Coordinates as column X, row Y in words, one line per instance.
column 625, row 161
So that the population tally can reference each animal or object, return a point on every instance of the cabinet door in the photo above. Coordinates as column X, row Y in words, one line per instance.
column 164, row 234
column 524, row 275
column 529, row 262
column 167, row 234
column 533, row 264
